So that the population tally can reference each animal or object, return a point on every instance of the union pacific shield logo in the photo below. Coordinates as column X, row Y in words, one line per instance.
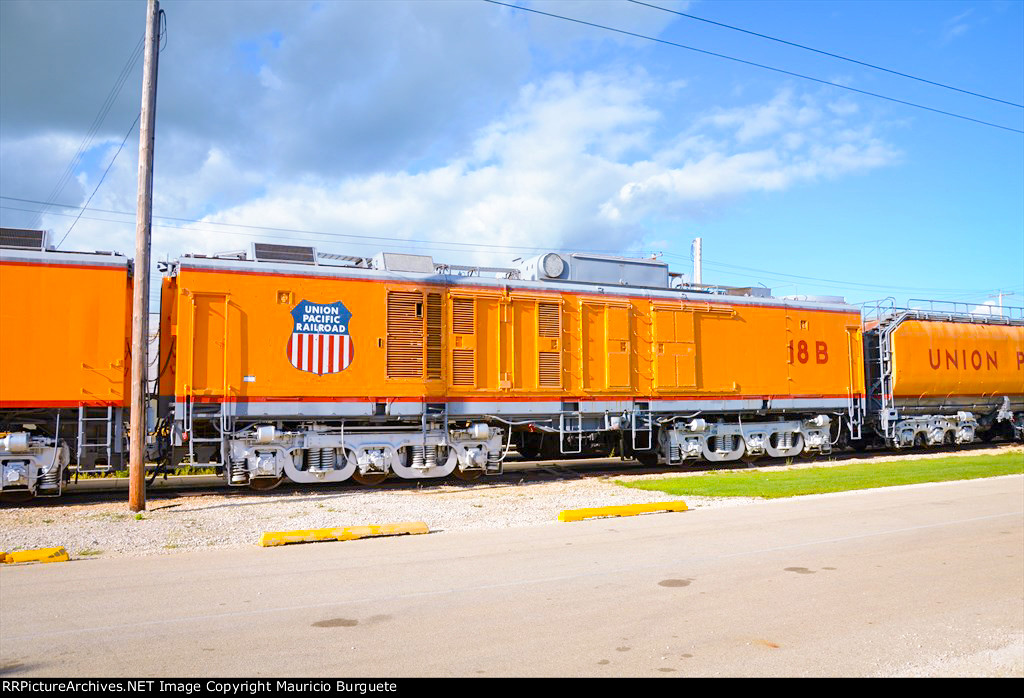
column 320, row 342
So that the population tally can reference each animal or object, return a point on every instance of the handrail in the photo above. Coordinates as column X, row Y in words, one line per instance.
column 886, row 309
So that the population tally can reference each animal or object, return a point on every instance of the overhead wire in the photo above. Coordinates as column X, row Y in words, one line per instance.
column 87, row 141
column 436, row 245
column 758, row 65
column 94, row 128
column 291, row 231
column 111, row 97
column 97, row 187
column 825, row 53
column 836, row 283
column 378, row 243
column 162, row 32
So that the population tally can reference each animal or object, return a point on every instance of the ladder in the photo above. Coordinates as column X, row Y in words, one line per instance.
column 641, row 425
column 856, row 418
column 570, row 422
column 95, row 427
column 208, row 412
column 887, row 408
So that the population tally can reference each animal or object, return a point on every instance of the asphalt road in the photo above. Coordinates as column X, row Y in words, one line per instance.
column 924, row 579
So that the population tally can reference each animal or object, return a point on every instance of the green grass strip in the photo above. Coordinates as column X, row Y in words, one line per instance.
column 838, row 478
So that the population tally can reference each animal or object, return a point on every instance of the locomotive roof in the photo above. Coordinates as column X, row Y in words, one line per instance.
column 60, row 257
column 469, row 277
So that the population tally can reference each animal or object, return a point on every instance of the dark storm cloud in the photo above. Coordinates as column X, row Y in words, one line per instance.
column 59, row 60
column 354, row 87
column 285, row 88
column 26, row 169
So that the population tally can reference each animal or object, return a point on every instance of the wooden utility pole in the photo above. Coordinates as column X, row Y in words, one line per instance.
column 140, row 303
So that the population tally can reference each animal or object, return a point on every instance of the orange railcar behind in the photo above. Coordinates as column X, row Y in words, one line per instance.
column 64, row 364
column 945, row 373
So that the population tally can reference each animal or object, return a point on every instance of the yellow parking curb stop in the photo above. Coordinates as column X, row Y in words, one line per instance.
column 348, row 533
column 626, row 510
column 40, row 555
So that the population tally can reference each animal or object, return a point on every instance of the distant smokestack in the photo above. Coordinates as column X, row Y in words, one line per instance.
column 696, row 261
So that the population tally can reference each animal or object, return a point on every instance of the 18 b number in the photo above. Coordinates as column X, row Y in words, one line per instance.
column 802, row 352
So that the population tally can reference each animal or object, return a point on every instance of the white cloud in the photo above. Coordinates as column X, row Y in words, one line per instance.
column 409, row 122
column 269, row 79
column 574, row 163
column 843, row 107
column 767, row 147
column 31, row 167
column 956, row 26
column 755, row 122
column 327, row 87
column 995, row 307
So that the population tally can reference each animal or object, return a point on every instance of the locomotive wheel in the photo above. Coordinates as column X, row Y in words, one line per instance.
column 369, row 479
column 264, row 484
column 467, row 475
column 16, row 497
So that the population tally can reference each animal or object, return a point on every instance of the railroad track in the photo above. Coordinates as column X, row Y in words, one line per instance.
column 516, row 471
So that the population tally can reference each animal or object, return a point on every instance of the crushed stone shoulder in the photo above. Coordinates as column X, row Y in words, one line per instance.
column 236, row 519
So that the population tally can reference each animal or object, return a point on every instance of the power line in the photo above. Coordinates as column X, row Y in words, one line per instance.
column 846, row 289
column 390, row 243
column 377, row 240
column 831, row 283
column 94, row 128
column 757, row 65
column 836, row 283
column 376, row 243
column 97, row 187
column 826, row 53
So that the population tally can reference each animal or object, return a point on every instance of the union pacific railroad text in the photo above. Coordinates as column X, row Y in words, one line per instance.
column 962, row 359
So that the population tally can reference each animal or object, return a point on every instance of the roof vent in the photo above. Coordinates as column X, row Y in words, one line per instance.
column 292, row 254
column 552, row 265
column 20, row 239
column 414, row 263
column 815, row 299
column 545, row 266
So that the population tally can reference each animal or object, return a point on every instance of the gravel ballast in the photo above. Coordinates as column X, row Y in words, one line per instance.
column 237, row 518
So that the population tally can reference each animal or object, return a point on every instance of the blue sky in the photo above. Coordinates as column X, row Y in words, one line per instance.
column 480, row 133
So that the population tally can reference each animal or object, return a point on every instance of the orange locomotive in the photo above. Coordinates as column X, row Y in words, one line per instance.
column 65, row 325
column 320, row 368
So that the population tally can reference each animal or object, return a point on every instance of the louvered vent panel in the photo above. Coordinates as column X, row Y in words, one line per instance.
column 405, row 334
column 434, row 336
column 23, row 239
column 296, row 254
column 550, row 369
column 463, row 315
column 547, row 320
column 463, row 367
